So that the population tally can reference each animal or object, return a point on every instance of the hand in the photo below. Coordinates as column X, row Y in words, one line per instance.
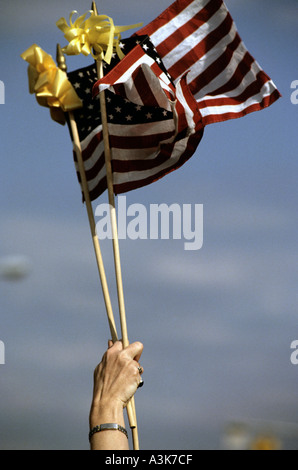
column 117, row 377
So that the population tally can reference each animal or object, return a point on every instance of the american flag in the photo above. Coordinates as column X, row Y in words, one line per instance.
column 200, row 36
column 151, row 133
column 191, row 55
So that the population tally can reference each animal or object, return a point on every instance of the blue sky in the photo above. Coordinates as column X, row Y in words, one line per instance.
column 217, row 324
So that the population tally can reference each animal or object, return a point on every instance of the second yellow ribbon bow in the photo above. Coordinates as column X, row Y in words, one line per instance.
column 50, row 84
column 96, row 35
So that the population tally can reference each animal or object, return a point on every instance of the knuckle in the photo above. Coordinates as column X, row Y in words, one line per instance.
column 108, row 354
column 122, row 359
column 139, row 345
column 96, row 371
column 134, row 370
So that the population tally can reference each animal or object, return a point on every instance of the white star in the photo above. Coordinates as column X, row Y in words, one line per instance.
column 77, row 85
column 81, row 74
column 128, row 118
column 111, row 117
column 149, row 116
column 91, row 106
column 138, row 107
column 118, row 110
column 121, row 45
column 145, row 47
column 165, row 113
column 88, row 90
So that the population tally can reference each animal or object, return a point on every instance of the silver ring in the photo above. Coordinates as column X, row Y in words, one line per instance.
column 140, row 369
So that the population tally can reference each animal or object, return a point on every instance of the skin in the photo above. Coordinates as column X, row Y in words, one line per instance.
column 116, row 379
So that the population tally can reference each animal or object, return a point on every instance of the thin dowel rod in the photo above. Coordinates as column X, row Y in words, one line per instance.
column 77, row 148
column 113, row 210
column 78, row 151
column 98, row 255
column 131, row 411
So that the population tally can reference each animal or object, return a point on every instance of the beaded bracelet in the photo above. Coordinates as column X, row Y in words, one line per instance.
column 107, row 427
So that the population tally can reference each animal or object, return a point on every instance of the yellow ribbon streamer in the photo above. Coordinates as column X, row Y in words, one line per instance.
column 50, row 84
column 96, row 35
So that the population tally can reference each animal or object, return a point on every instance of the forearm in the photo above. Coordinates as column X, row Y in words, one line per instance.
column 104, row 413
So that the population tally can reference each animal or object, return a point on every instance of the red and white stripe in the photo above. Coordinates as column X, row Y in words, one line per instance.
column 200, row 36
column 215, row 78
column 139, row 79
column 143, row 153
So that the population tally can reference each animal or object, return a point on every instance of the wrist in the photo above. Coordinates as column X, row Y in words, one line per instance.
column 106, row 412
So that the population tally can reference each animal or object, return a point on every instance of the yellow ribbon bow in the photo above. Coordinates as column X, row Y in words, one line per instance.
column 50, row 84
column 96, row 35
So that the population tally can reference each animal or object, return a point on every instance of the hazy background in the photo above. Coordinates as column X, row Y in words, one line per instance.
column 217, row 324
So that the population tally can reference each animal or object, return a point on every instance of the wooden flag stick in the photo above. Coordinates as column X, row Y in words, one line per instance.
column 108, row 159
column 77, row 148
column 113, row 212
